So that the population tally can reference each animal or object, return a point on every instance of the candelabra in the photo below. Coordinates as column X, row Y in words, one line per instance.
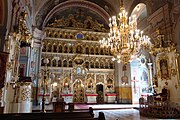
column 45, row 75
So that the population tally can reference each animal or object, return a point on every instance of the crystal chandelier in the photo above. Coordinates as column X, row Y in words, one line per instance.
column 124, row 39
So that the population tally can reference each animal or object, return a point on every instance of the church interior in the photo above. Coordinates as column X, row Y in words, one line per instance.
column 66, row 52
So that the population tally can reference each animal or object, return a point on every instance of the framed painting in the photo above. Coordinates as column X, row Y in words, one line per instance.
column 23, row 51
column 22, row 69
column 163, row 68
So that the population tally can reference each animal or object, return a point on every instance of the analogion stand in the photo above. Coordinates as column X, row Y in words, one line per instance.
column 91, row 98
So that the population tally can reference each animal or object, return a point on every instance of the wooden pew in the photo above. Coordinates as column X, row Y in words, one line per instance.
column 47, row 116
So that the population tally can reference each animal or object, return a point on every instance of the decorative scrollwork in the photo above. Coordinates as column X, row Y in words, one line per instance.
column 73, row 21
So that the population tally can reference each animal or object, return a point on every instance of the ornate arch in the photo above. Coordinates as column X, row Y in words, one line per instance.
column 75, row 3
column 136, row 2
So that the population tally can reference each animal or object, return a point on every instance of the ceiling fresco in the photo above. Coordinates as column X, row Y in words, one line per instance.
column 42, row 12
column 81, row 18
column 111, row 7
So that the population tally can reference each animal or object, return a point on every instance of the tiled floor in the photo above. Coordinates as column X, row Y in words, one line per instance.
column 121, row 114
column 111, row 111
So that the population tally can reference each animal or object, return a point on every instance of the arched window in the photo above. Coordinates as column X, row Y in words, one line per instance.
column 65, row 49
column 111, row 65
column 42, row 62
column 97, row 64
column 49, row 64
column 54, row 48
column 65, row 63
column 59, row 63
column 49, row 48
column 92, row 50
column 101, row 64
column 97, row 51
column 87, row 64
column 60, row 49
column 70, row 63
column 54, row 63
column 102, row 51
column 79, row 49
column 44, row 47
column 92, row 64
column 87, row 50
column 70, row 49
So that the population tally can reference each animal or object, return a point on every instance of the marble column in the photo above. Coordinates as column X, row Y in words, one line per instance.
column 150, row 76
column 25, row 104
column 38, row 36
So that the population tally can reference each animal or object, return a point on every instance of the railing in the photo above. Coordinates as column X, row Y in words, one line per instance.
column 159, row 109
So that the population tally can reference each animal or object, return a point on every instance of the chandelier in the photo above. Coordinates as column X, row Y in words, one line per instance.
column 124, row 39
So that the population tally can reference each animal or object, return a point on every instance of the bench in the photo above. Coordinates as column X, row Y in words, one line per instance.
column 47, row 116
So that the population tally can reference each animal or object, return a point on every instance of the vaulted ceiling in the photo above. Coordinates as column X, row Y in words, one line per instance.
column 46, row 9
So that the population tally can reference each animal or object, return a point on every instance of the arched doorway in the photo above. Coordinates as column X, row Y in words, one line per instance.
column 141, row 80
column 78, row 89
column 100, row 92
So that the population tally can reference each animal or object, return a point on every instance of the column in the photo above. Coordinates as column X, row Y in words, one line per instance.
column 117, row 77
column 25, row 104
column 150, row 76
column 38, row 36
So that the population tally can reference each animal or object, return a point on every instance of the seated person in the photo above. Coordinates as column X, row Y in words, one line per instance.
column 163, row 95
column 91, row 111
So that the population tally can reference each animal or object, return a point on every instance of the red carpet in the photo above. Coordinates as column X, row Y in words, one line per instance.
column 81, row 106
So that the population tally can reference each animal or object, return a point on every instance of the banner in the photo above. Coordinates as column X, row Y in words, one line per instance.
column 3, row 61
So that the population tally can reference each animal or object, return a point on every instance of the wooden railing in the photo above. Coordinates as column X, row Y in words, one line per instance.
column 158, row 109
column 48, row 116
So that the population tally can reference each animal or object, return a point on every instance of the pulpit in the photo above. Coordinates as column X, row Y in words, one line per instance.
column 110, row 97
column 91, row 98
column 59, row 106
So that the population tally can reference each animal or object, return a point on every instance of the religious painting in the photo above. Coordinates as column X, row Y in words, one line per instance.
column 144, row 76
column 3, row 61
column 164, row 69
column 23, row 51
column 22, row 69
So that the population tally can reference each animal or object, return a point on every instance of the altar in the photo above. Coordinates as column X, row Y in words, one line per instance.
column 91, row 98
column 110, row 97
column 68, row 98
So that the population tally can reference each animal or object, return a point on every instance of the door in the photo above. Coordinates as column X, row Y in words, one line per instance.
column 78, row 96
column 100, row 92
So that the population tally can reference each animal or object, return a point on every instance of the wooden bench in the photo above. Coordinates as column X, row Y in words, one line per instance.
column 47, row 116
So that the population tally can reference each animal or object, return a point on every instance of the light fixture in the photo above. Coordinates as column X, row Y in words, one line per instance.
column 124, row 39
column 45, row 75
